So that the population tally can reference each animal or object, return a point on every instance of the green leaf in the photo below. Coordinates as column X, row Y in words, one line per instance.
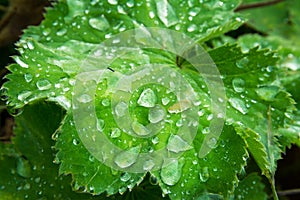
column 285, row 23
column 250, row 187
column 27, row 170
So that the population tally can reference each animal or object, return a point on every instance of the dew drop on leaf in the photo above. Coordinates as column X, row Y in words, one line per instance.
column 139, row 128
column 130, row 3
column 75, row 141
column 153, row 180
column 84, row 98
column 128, row 157
column 105, row 102
column 99, row 23
column 100, row 125
column 61, row 32
column 112, row 2
column 155, row 140
column 125, row 177
column 239, row 105
column 204, row 174
column 238, row 84
column 165, row 100
column 177, row 144
column 166, row 13
column 147, row 98
column 121, row 108
column 179, row 106
column 23, row 95
column 242, row 63
column 171, row 171
column 267, row 93
column 115, row 133
column 212, row 142
column 148, row 165
column 192, row 28
column 28, row 77
column 156, row 114
column 43, row 84
column 20, row 62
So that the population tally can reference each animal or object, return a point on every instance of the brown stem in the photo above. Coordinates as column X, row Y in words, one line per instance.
column 257, row 5
column 289, row 192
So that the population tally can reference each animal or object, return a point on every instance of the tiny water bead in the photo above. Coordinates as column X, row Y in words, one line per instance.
column 121, row 108
column 166, row 13
column 148, row 165
column 238, row 104
column 171, row 171
column 242, row 63
column 156, row 114
column 139, row 128
column 85, row 98
column 147, row 98
column 179, row 106
column 177, row 144
column 23, row 95
column 28, row 77
column 23, row 167
column 238, row 85
column 100, row 125
column 125, row 177
column 127, row 158
column 99, row 23
column 43, row 84
column 267, row 93
column 204, row 174
column 115, row 133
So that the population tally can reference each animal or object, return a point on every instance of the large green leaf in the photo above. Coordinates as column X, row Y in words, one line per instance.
column 56, row 53
column 27, row 170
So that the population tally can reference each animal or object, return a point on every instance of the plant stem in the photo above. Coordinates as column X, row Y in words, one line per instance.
column 257, row 5
column 275, row 196
column 289, row 192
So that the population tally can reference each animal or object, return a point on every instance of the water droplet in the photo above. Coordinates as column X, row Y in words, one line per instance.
column 75, row 141
column 206, row 130
column 166, row 13
column 242, row 62
column 61, row 32
column 100, row 23
column 180, row 106
column 155, row 140
column 147, row 98
column 179, row 123
column 171, row 171
column 192, row 28
column 127, row 158
column 116, row 132
column 28, row 77
column 177, row 144
column 23, row 167
column 112, row 2
column 84, row 98
column 121, row 108
column 139, row 128
column 100, row 125
column 165, row 100
column 212, row 143
column 153, row 180
column 125, row 177
column 20, row 62
column 156, row 114
column 238, row 84
column 267, row 93
column 130, row 3
column 23, row 95
column 238, row 104
column 148, row 165
column 204, row 174
column 151, row 14
column 43, row 84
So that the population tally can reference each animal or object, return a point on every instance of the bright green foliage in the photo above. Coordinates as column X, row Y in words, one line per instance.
column 260, row 118
column 27, row 168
